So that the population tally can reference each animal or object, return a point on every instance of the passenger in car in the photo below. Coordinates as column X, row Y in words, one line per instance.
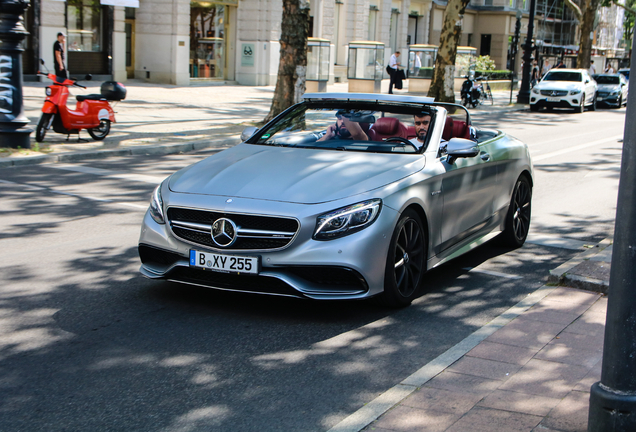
column 344, row 128
column 421, row 129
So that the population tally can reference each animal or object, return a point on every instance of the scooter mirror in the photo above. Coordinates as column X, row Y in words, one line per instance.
column 88, row 77
column 42, row 62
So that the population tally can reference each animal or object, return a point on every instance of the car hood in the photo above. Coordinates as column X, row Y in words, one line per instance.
column 295, row 175
column 608, row 87
column 559, row 85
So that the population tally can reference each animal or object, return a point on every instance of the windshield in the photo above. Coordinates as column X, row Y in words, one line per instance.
column 607, row 79
column 563, row 76
column 352, row 126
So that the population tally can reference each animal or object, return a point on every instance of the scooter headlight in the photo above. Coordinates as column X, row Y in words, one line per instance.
column 48, row 91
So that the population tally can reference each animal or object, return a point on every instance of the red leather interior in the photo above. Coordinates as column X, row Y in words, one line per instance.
column 455, row 129
column 410, row 132
column 387, row 127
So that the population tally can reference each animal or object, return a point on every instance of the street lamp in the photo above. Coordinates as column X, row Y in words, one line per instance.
column 524, row 92
column 13, row 130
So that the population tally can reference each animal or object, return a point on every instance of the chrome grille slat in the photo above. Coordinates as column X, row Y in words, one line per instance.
column 251, row 230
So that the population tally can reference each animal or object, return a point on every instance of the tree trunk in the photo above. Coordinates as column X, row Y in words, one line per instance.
column 292, row 68
column 442, row 87
column 589, row 10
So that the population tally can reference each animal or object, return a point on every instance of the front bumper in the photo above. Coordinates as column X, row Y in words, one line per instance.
column 350, row 267
column 612, row 100
column 567, row 101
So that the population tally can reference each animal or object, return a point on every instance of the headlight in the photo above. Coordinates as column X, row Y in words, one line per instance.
column 535, row 90
column 573, row 92
column 48, row 91
column 615, row 93
column 156, row 205
column 347, row 220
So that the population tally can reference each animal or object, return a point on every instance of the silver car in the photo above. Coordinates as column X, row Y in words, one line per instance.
column 612, row 89
column 342, row 196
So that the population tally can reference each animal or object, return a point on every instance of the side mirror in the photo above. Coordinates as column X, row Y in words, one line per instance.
column 461, row 148
column 248, row 132
column 587, row 81
column 42, row 62
column 88, row 77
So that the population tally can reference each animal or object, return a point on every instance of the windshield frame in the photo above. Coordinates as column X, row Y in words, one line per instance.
column 551, row 74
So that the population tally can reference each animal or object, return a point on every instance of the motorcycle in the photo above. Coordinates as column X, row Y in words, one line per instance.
column 471, row 92
column 92, row 112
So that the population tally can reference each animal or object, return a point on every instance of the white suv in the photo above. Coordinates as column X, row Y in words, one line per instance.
column 564, row 88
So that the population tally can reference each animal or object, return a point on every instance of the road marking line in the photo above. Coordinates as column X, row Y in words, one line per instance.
column 576, row 147
column 86, row 197
column 387, row 400
column 492, row 273
column 143, row 178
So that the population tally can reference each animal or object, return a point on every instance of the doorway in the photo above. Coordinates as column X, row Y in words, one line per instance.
column 130, row 48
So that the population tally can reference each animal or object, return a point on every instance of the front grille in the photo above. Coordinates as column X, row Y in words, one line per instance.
column 554, row 92
column 247, row 283
column 603, row 94
column 254, row 232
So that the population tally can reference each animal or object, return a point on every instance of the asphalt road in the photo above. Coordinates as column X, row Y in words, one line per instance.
column 88, row 344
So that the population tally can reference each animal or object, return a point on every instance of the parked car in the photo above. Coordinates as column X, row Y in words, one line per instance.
column 336, row 198
column 564, row 88
column 625, row 73
column 612, row 89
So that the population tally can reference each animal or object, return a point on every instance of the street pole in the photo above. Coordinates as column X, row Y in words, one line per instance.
column 515, row 45
column 524, row 92
column 613, row 399
column 13, row 130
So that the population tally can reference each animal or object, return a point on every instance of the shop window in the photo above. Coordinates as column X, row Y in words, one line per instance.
column 84, row 25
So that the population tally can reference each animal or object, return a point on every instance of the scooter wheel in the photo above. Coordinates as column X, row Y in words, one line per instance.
column 100, row 132
column 43, row 125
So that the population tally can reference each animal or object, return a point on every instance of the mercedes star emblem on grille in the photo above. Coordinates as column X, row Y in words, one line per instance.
column 223, row 232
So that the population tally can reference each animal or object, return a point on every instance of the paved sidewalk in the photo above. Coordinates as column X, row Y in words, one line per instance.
column 530, row 369
column 165, row 119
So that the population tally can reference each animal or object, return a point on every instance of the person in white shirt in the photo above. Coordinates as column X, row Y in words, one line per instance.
column 422, row 124
column 592, row 69
column 417, row 64
column 546, row 67
column 394, row 64
column 609, row 69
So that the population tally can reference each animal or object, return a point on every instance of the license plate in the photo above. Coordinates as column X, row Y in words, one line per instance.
column 551, row 99
column 224, row 263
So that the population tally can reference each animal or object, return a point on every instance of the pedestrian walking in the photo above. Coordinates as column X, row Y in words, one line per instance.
column 534, row 77
column 592, row 70
column 59, row 57
column 394, row 65
column 546, row 66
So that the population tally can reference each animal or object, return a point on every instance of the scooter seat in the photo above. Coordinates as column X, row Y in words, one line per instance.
column 82, row 98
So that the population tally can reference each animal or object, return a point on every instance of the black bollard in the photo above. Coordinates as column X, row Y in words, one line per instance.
column 613, row 399
column 13, row 130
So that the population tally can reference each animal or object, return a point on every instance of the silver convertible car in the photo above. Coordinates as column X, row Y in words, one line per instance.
column 342, row 196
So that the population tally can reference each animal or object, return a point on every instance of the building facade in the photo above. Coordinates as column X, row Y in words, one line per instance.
column 182, row 42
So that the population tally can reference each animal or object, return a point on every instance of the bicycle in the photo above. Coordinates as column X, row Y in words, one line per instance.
column 486, row 92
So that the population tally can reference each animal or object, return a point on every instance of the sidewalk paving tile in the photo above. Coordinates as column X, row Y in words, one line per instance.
column 599, row 307
column 489, row 420
column 593, row 376
column 579, row 341
column 519, row 402
column 571, row 414
column 445, row 401
column 545, row 378
column 563, row 354
column 544, row 314
column 484, row 368
column 592, row 324
column 571, row 295
column 502, row 352
column 560, row 306
column 463, row 383
column 527, row 333
column 408, row 419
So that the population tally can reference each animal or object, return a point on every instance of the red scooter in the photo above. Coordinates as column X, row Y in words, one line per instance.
column 93, row 111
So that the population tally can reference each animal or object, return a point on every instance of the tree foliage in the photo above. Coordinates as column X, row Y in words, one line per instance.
column 442, row 86
column 630, row 17
column 292, row 67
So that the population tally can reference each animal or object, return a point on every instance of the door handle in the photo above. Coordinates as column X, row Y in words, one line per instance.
column 485, row 157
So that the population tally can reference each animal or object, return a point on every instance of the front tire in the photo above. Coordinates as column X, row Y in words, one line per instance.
column 43, row 126
column 100, row 132
column 534, row 108
column 581, row 107
column 519, row 213
column 405, row 262
column 620, row 101
column 593, row 107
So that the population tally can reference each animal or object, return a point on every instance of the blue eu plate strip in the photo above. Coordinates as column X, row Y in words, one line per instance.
column 193, row 258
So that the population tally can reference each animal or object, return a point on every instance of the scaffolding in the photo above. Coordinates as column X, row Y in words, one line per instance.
column 556, row 30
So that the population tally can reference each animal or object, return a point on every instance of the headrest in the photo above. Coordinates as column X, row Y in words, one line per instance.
column 448, row 129
column 386, row 125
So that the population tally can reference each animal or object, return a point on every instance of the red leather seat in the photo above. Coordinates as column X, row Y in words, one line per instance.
column 410, row 132
column 455, row 129
column 387, row 127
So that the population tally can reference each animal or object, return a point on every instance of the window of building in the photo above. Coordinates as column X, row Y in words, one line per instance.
column 85, row 26
column 393, row 29
column 207, row 39
column 373, row 21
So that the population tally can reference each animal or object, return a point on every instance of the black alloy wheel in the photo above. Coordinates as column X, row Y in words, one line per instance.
column 406, row 261
column 100, row 132
column 519, row 213
column 43, row 126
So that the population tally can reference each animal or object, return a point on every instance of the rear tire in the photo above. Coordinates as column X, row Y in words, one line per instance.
column 43, row 126
column 519, row 214
column 405, row 262
column 100, row 132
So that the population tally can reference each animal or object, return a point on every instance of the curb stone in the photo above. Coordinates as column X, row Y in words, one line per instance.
column 562, row 275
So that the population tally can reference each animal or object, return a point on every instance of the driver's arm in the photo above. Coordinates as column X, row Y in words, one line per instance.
column 356, row 130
